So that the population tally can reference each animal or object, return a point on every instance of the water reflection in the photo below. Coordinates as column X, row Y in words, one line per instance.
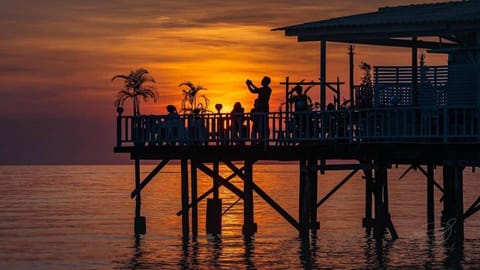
column 135, row 262
column 213, row 252
column 215, row 249
column 249, row 243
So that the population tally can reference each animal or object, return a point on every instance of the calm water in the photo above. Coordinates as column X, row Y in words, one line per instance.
column 81, row 217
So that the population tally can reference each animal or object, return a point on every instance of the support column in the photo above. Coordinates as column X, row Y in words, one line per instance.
column 447, row 213
column 184, row 190
column 323, row 74
column 452, row 215
column 323, row 86
column 214, row 205
column 249, row 226
column 304, row 200
column 430, row 199
column 140, row 226
column 458, row 198
column 193, row 182
column 414, row 72
column 380, row 213
column 313, row 179
column 351, row 75
column 383, row 219
column 367, row 221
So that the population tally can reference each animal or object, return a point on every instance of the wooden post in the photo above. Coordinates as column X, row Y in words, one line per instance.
column 458, row 199
column 140, row 221
column 249, row 226
column 193, row 180
column 367, row 220
column 414, row 72
column 430, row 199
column 447, row 194
column 380, row 213
column 304, row 201
column 313, row 177
column 184, row 191
column 351, row 75
column 323, row 74
column 215, row 180
column 214, row 205
column 452, row 215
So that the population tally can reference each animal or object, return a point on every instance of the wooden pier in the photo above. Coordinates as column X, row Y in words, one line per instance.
column 424, row 117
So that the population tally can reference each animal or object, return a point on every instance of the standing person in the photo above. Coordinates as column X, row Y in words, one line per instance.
column 261, row 107
column 237, row 116
column 301, row 104
column 263, row 92
column 173, row 124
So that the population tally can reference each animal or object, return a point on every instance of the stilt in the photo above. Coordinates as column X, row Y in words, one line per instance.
column 430, row 199
column 382, row 214
column 249, row 226
column 313, row 179
column 367, row 221
column 214, row 205
column 140, row 226
column 184, row 190
column 193, row 182
column 447, row 212
column 453, row 215
column 304, row 201
column 458, row 189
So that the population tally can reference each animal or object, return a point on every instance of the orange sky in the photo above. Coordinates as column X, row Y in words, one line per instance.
column 58, row 58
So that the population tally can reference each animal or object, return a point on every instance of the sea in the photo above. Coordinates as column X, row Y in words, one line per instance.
column 81, row 217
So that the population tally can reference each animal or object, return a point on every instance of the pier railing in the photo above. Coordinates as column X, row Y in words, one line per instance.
column 375, row 125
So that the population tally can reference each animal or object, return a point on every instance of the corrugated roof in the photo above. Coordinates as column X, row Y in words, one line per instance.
column 447, row 12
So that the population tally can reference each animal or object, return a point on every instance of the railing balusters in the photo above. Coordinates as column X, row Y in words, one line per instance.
column 355, row 126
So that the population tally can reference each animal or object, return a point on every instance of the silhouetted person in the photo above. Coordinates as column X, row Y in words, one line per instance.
column 301, row 101
column 301, row 105
column 173, row 124
column 172, row 113
column 261, row 108
column 264, row 92
column 237, row 116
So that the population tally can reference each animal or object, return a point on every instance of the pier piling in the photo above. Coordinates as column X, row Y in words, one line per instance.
column 140, row 226
column 249, row 226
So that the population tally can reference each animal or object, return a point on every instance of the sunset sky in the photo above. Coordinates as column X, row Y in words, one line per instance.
column 58, row 58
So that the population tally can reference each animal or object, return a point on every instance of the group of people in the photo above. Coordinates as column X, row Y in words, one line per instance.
column 259, row 113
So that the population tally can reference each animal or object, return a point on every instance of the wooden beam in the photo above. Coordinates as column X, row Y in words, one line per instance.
column 387, row 42
column 224, row 182
column 276, row 206
column 265, row 196
column 147, row 179
column 339, row 185
column 208, row 192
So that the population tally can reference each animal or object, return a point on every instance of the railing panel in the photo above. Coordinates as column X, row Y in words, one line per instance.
column 390, row 124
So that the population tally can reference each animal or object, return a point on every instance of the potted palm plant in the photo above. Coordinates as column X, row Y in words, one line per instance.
column 135, row 88
column 194, row 108
column 190, row 103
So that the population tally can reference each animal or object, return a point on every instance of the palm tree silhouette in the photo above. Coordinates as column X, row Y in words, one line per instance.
column 189, row 102
column 134, row 89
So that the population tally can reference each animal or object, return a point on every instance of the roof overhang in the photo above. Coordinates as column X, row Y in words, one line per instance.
column 402, row 26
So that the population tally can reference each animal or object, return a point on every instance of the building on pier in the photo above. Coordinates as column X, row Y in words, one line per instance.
column 422, row 116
